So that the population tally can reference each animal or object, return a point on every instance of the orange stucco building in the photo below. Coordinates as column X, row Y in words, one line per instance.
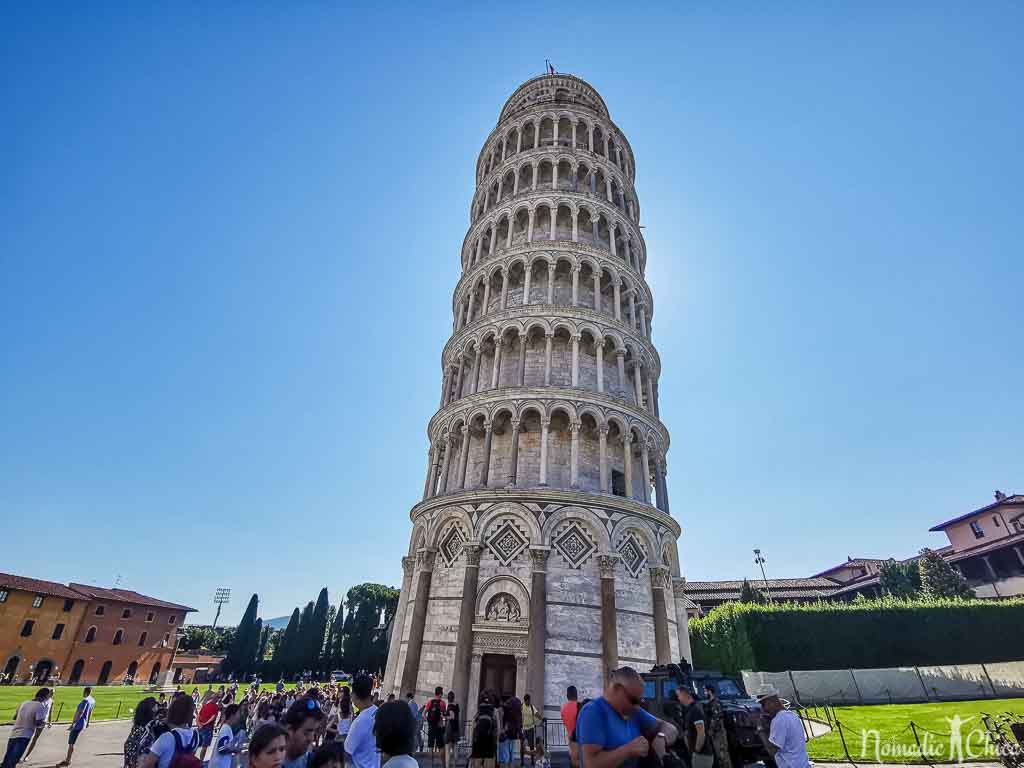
column 82, row 634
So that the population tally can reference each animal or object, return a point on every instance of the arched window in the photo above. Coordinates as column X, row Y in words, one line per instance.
column 142, row 639
column 90, row 636
column 118, row 637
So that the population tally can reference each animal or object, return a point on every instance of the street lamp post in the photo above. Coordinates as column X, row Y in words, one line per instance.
column 221, row 597
column 759, row 560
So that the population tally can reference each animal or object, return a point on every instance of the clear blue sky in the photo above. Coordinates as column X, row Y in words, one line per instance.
column 230, row 232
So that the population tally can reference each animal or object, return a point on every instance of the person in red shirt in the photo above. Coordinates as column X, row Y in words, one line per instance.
column 206, row 721
column 570, row 710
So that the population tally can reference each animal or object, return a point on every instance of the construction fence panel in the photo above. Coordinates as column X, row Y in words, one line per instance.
column 889, row 686
column 1007, row 677
column 960, row 681
column 835, row 686
column 755, row 681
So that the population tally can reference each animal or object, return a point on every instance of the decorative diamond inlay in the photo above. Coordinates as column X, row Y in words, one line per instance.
column 574, row 545
column 507, row 543
column 634, row 555
column 451, row 545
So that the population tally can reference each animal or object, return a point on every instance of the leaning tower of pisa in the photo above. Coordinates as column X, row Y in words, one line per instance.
column 543, row 553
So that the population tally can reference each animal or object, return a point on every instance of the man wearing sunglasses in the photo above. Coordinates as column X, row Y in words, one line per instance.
column 614, row 729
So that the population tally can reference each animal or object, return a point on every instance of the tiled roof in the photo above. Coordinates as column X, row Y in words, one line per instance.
column 127, row 596
column 1009, row 501
column 37, row 586
column 779, row 588
column 852, row 562
column 984, row 549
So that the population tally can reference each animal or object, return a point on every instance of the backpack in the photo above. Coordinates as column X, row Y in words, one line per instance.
column 484, row 726
column 434, row 713
column 185, row 757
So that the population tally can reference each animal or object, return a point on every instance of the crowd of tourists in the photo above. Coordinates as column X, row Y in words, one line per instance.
column 333, row 725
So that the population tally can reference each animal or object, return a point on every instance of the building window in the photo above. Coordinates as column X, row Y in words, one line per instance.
column 37, row 601
column 68, row 605
column 167, row 639
column 58, row 631
column 126, row 613
column 26, row 628
column 3, row 595
column 976, row 530
column 100, row 610
column 172, row 618
column 118, row 636
column 90, row 636
column 995, row 520
column 142, row 639
column 149, row 617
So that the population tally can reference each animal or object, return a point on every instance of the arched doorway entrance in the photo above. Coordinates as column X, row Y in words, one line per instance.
column 154, row 674
column 132, row 669
column 11, row 669
column 76, row 672
column 43, row 671
column 105, row 673
column 498, row 673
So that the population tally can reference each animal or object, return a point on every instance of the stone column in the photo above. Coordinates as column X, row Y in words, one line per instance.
column 575, row 360
column 522, row 359
column 536, row 135
column 458, row 381
column 597, row 291
column 554, row 172
column 643, row 323
column 575, row 285
column 430, row 474
column 521, row 667
column 606, row 564
column 398, row 625
column 638, row 384
column 652, row 401
column 504, row 297
column 551, row 283
column 632, row 309
column 469, row 310
column 446, row 467
column 527, row 275
column 538, row 625
column 620, row 360
column 425, row 569
column 514, row 458
column 659, row 581
column 445, row 383
column 602, row 438
column 575, row 226
column 617, row 285
column 645, row 463
column 467, row 612
column 485, row 469
column 595, row 229
column 547, row 359
column 574, row 455
column 664, row 484
column 544, row 425
column 474, row 376
column 682, row 618
column 499, row 345
column 474, row 685
column 494, row 239
column 529, row 225
column 599, row 345
column 627, row 462
column 464, row 457
column 659, row 483
column 487, row 297
column 611, row 238
column 554, row 216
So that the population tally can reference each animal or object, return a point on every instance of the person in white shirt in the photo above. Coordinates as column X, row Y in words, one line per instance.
column 180, row 737
column 47, row 709
column 360, row 745
column 785, row 739
column 394, row 732
column 227, row 745
column 30, row 716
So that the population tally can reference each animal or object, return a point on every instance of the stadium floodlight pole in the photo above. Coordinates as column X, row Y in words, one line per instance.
column 758, row 560
column 220, row 598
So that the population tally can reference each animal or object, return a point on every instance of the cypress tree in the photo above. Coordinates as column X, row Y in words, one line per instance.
column 284, row 652
column 303, row 641
column 318, row 630
column 243, row 647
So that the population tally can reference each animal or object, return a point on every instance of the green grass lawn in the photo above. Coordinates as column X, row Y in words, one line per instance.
column 112, row 701
column 883, row 732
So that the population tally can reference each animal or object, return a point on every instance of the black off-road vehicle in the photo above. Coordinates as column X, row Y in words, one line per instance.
column 742, row 713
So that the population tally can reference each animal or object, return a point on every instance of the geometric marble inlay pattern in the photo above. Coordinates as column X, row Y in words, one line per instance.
column 507, row 543
column 634, row 556
column 574, row 545
column 451, row 545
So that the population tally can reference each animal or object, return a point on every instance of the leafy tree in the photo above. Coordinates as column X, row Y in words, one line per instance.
column 939, row 578
column 365, row 643
column 900, row 579
column 224, row 637
column 317, row 631
column 196, row 637
column 334, row 647
column 242, row 653
column 750, row 594
column 284, row 652
column 304, row 639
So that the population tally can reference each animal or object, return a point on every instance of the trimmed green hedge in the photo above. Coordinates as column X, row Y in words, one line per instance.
column 864, row 634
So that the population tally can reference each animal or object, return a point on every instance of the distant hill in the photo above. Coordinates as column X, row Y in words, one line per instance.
column 279, row 623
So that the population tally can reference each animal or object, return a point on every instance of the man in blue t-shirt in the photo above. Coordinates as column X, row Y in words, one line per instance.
column 614, row 730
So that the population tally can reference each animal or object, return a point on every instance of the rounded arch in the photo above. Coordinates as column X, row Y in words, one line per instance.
column 508, row 509
column 584, row 517
column 641, row 530
column 497, row 585
column 418, row 539
column 441, row 522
